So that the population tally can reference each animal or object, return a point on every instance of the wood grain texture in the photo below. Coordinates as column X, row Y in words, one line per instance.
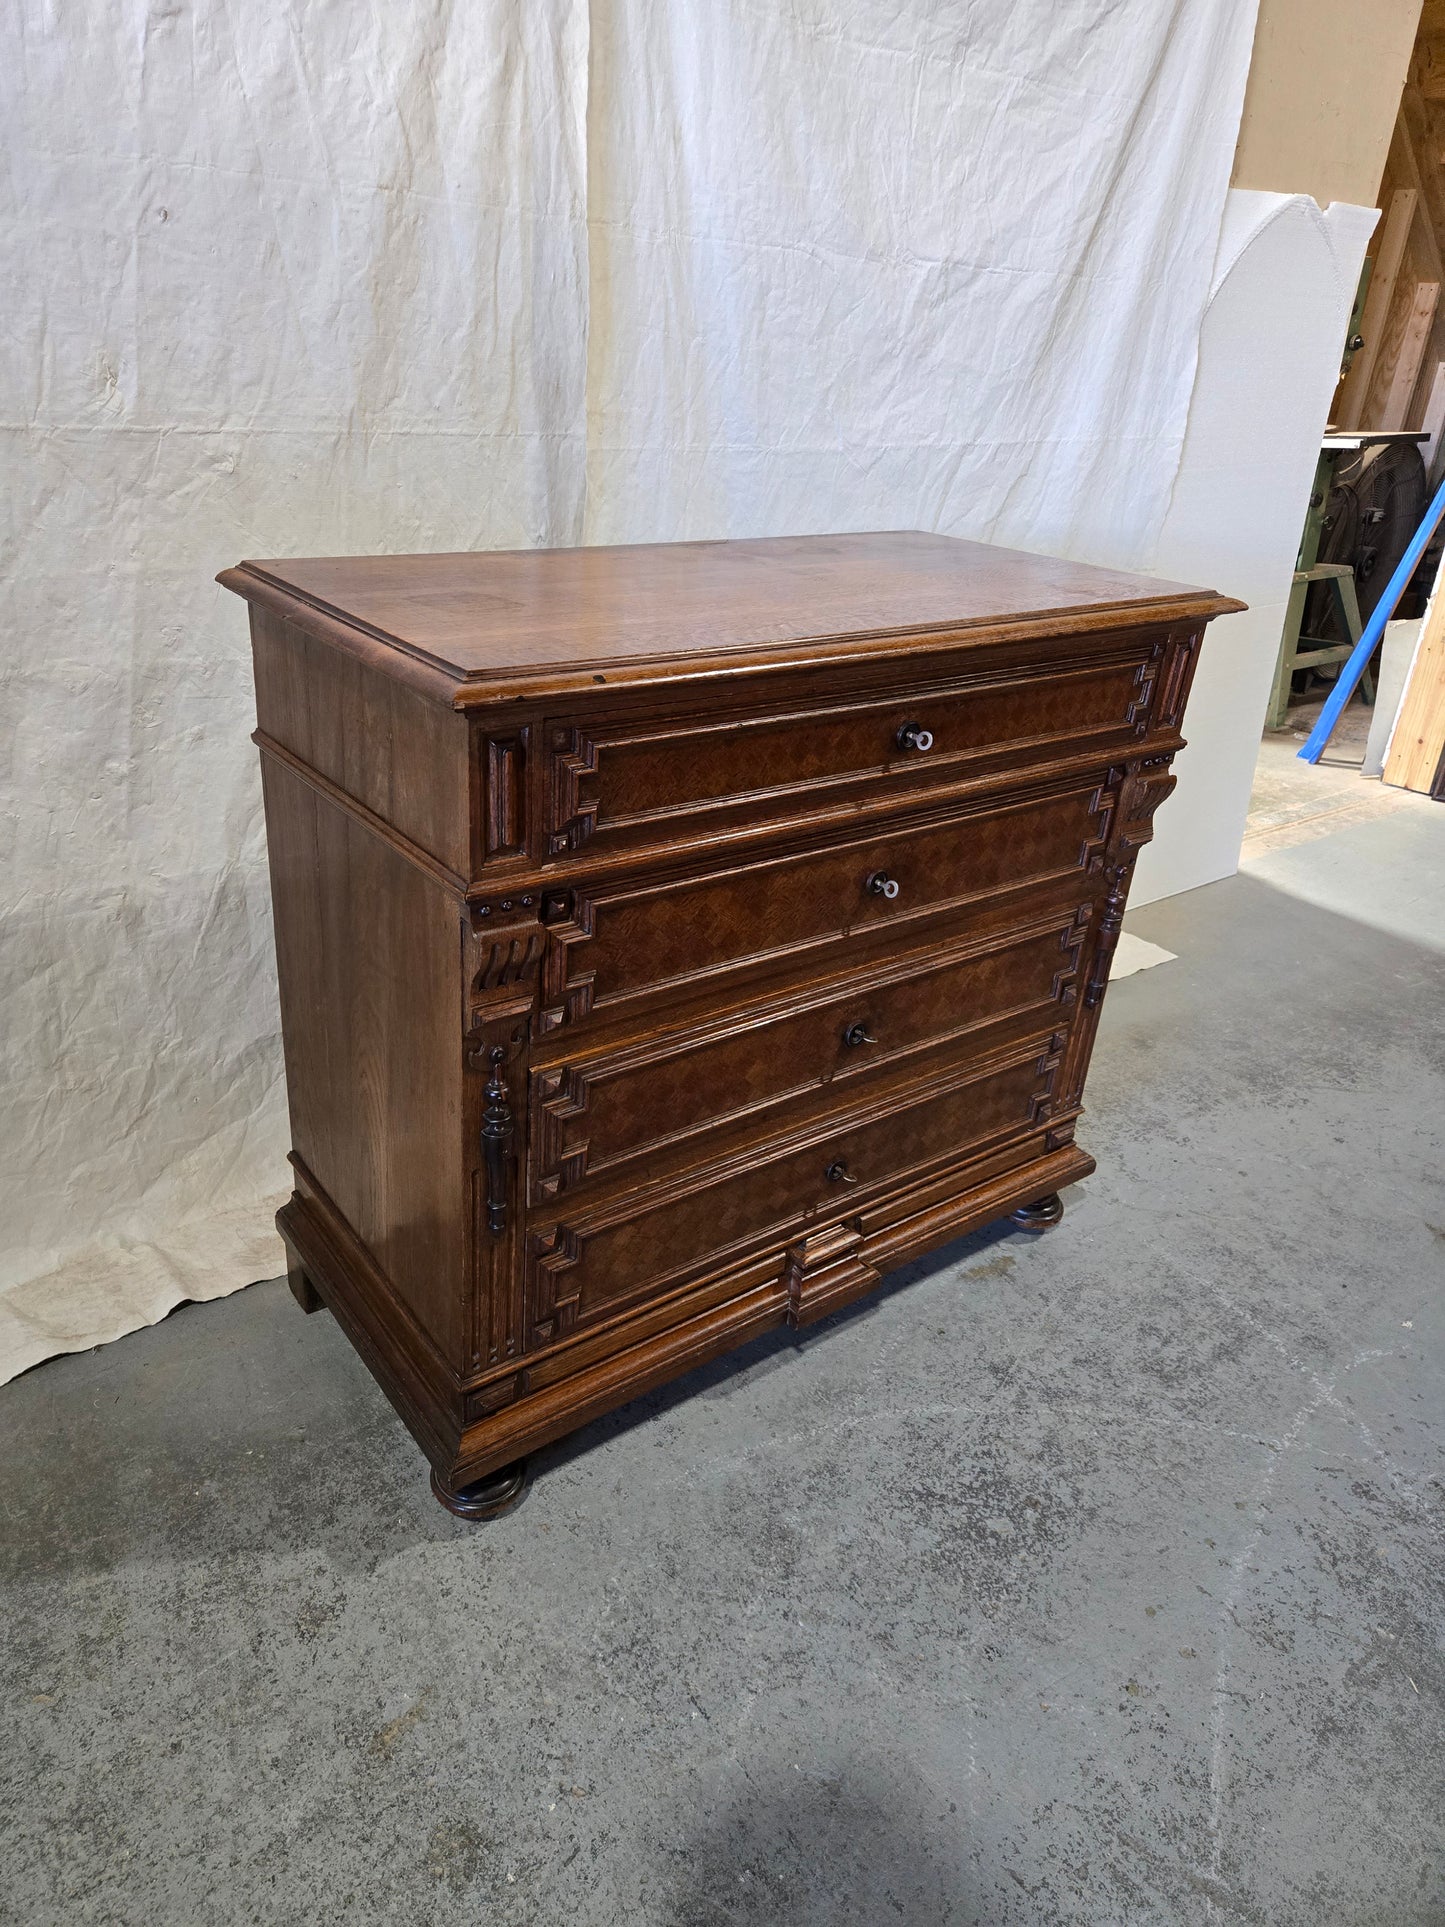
column 627, row 1014
column 367, row 952
column 1398, row 367
column 374, row 738
column 646, row 782
column 1417, row 743
column 638, row 1243
column 1356, row 389
column 662, row 1097
column 1432, row 421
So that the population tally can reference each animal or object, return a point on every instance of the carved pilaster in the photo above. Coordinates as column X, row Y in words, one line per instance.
column 503, row 945
column 1177, row 677
column 1111, row 922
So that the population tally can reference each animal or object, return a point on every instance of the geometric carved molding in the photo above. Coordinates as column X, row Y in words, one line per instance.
column 552, row 1252
column 574, row 758
column 825, row 1270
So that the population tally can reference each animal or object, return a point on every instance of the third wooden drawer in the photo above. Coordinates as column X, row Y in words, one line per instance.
column 674, row 1095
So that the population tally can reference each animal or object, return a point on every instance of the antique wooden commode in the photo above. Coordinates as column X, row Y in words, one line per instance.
column 672, row 940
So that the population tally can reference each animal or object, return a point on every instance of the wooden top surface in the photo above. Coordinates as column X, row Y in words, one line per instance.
column 498, row 624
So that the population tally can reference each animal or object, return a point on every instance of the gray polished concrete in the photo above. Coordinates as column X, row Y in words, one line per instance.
column 1094, row 1578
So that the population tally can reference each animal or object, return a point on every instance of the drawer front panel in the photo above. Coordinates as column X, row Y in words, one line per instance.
column 588, row 1267
column 625, row 941
column 615, row 1111
column 625, row 784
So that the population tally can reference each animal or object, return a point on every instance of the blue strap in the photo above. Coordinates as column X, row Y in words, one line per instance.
column 1359, row 659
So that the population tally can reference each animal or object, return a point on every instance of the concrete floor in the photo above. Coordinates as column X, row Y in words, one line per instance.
column 1090, row 1579
column 1294, row 802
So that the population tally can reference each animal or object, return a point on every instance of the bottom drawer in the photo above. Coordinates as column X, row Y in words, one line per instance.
column 590, row 1265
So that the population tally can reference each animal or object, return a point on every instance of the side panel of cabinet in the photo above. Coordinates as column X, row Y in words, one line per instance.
column 384, row 745
column 368, row 952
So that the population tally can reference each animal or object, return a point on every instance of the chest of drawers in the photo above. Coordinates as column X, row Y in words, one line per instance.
column 671, row 940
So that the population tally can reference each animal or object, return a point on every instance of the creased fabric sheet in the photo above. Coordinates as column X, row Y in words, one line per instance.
column 333, row 278
column 863, row 265
column 276, row 278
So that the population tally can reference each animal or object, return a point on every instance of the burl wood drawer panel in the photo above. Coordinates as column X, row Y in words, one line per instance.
column 613, row 944
column 586, row 1266
column 622, row 783
column 615, row 1112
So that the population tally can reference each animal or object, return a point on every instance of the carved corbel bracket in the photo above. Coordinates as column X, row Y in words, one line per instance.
column 1143, row 788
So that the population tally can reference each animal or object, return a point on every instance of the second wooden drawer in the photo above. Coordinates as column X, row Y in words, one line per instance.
column 618, row 944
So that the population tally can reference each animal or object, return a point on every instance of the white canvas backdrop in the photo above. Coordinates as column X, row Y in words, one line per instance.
column 335, row 277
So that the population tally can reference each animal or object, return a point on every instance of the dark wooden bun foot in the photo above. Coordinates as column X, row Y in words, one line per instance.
column 489, row 1497
column 1041, row 1214
column 302, row 1289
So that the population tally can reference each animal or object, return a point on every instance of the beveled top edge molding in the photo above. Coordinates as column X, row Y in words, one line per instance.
column 701, row 667
column 696, row 666
column 424, row 673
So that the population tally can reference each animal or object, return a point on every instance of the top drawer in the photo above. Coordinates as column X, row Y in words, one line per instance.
column 624, row 783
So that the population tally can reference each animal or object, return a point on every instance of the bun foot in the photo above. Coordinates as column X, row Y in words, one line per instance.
column 487, row 1498
column 302, row 1289
column 1041, row 1214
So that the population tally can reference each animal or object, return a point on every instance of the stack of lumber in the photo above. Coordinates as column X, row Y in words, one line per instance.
column 1415, row 759
column 1397, row 378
